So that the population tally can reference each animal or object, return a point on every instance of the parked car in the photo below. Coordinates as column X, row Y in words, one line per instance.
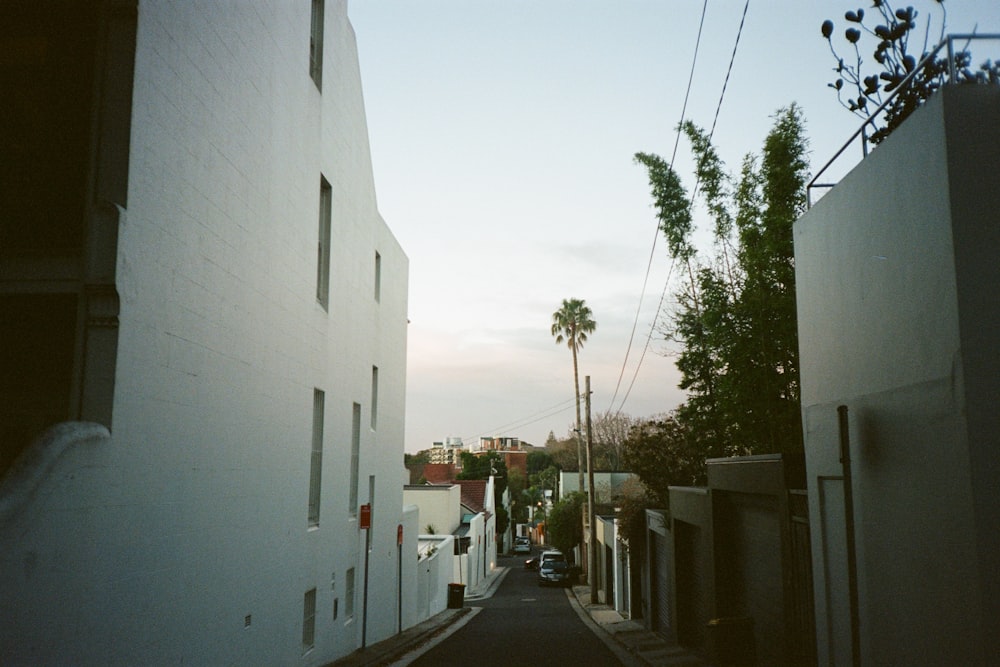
column 553, row 573
column 551, row 554
column 522, row 545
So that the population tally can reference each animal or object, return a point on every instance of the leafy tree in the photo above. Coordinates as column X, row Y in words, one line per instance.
column 547, row 479
column 609, row 430
column 564, row 453
column 572, row 323
column 735, row 316
column 538, row 460
column 419, row 458
column 631, row 515
column 565, row 523
column 502, row 519
column 664, row 452
column 896, row 59
column 516, row 484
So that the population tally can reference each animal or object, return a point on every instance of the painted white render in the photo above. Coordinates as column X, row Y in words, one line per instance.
column 440, row 506
column 184, row 537
column 896, row 270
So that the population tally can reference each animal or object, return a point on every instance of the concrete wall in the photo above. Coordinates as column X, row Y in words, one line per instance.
column 183, row 538
column 409, row 574
column 433, row 575
column 440, row 506
column 896, row 269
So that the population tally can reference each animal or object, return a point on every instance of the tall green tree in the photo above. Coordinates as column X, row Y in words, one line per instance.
column 565, row 523
column 663, row 452
column 571, row 324
column 735, row 318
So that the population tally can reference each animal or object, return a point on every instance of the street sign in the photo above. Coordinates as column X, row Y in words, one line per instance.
column 366, row 516
column 399, row 534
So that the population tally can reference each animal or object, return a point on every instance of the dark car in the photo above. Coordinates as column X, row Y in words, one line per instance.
column 553, row 573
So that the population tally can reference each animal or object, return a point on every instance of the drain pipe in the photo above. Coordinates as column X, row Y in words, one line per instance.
column 852, row 556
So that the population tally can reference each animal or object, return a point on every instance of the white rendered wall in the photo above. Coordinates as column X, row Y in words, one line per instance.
column 184, row 538
column 440, row 506
column 896, row 271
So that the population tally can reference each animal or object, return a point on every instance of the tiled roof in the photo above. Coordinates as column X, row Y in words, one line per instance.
column 439, row 473
column 473, row 493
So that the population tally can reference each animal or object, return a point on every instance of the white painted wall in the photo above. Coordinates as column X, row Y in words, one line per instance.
column 895, row 271
column 183, row 538
column 440, row 506
column 434, row 574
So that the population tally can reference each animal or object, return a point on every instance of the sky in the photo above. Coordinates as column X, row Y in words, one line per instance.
column 502, row 136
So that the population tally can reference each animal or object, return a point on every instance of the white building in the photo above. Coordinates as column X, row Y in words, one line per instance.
column 198, row 287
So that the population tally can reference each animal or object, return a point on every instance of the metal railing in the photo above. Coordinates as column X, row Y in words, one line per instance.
column 948, row 42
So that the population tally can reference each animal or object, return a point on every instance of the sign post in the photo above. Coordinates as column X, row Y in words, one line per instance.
column 399, row 576
column 365, row 524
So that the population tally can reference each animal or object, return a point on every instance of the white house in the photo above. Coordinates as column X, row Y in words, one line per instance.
column 204, row 339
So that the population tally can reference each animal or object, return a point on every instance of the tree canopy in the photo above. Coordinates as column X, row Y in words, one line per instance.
column 571, row 324
column 735, row 315
column 565, row 523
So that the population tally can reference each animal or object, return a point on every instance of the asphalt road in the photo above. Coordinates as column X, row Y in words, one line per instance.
column 521, row 624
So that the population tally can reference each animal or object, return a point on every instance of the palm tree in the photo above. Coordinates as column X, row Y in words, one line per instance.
column 572, row 323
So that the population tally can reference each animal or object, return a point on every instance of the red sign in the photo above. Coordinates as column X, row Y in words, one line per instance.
column 366, row 516
column 399, row 534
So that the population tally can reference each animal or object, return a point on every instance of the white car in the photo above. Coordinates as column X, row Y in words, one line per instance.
column 522, row 545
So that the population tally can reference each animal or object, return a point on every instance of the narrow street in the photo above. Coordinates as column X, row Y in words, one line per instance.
column 522, row 623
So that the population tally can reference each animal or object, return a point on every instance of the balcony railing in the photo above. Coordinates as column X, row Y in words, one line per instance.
column 947, row 43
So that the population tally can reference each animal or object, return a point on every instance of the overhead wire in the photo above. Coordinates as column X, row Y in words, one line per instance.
column 566, row 405
column 533, row 418
column 656, row 231
column 694, row 191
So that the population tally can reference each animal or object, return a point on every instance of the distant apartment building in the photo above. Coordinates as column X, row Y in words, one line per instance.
column 203, row 325
column 499, row 444
column 449, row 451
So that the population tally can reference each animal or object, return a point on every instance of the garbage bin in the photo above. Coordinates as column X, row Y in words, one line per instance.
column 731, row 642
column 456, row 596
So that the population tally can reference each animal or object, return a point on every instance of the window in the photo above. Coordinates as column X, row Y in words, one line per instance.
column 378, row 277
column 349, row 593
column 309, row 621
column 374, row 397
column 316, row 458
column 355, row 455
column 323, row 244
column 316, row 44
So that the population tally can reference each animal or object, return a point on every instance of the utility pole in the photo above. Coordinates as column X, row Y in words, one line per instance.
column 592, row 567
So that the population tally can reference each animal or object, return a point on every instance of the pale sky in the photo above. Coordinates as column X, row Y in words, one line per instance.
column 502, row 137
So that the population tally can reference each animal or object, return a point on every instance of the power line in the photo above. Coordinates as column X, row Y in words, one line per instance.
column 533, row 418
column 656, row 231
column 694, row 191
